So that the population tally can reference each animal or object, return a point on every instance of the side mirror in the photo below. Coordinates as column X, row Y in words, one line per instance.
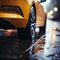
column 43, row 0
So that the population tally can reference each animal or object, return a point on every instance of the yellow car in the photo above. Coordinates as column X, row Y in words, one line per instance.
column 22, row 14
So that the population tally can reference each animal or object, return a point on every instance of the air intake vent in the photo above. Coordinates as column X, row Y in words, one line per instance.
column 14, row 8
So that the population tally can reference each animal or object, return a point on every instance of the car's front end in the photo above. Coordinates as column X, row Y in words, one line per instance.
column 24, row 15
column 14, row 11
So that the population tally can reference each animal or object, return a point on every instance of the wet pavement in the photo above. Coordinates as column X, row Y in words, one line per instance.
column 10, row 47
column 52, row 43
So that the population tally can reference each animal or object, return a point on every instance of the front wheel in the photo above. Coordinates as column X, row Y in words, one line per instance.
column 29, row 31
column 28, row 34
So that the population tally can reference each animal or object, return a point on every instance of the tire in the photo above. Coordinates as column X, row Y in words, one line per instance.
column 28, row 34
column 31, row 25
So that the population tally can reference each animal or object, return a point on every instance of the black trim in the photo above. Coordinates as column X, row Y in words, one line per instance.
column 15, row 8
column 4, row 24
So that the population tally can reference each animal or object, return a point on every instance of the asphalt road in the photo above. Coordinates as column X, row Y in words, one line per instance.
column 10, row 46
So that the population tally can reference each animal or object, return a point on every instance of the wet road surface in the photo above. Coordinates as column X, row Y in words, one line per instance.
column 10, row 46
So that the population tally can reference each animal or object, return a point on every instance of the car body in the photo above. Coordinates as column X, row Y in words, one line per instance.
column 24, row 15
column 17, row 13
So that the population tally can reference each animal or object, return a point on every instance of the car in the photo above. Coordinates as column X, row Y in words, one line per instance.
column 23, row 15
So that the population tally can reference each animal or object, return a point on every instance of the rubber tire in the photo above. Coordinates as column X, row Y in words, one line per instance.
column 28, row 34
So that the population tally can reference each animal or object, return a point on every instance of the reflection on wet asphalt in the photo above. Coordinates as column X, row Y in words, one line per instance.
column 10, row 46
